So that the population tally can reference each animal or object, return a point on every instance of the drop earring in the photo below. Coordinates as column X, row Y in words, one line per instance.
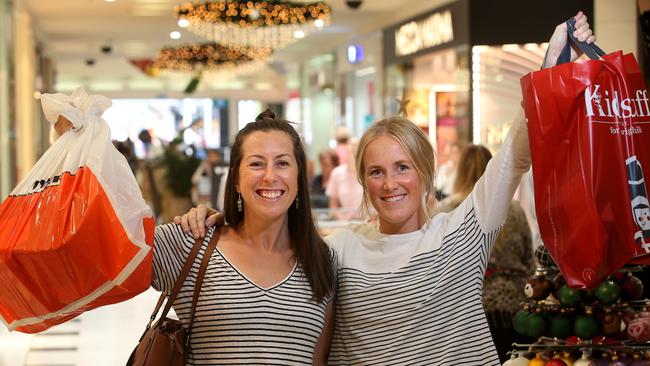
column 296, row 203
column 239, row 204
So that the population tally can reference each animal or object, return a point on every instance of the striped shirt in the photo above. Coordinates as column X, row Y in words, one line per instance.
column 415, row 298
column 237, row 322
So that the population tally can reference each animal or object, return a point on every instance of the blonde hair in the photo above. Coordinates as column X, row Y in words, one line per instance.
column 471, row 167
column 416, row 145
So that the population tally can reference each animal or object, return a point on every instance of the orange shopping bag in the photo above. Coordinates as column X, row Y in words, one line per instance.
column 75, row 234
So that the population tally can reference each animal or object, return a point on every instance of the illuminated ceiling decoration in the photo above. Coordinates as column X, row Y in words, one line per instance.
column 272, row 23
column 212, row 57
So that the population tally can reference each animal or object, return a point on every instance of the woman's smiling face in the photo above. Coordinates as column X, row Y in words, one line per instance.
column 268, row 175
column 393, row 185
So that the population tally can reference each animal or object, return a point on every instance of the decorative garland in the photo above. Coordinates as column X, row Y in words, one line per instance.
column 254, row 13
column 209, row 56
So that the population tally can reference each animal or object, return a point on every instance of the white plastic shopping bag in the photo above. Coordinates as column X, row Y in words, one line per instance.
column 75, row 234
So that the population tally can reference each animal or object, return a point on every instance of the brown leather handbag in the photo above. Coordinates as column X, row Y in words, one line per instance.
column 167, row 343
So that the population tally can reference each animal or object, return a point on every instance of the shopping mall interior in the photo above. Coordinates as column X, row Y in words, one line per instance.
column 182, row 84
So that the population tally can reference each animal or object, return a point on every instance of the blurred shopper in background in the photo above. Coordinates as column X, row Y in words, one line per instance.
column 343, row 189
column 208, row 181
column 446, row 174
column 328, row 160
column 342, row 144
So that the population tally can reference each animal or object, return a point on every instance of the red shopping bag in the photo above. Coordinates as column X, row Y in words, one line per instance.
column 75, row 234
column 589, row 130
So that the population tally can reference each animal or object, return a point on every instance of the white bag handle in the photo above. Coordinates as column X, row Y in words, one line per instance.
column 79, row 107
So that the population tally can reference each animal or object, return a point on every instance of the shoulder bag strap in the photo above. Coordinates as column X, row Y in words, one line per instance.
column 177, row 286
column 199, row 281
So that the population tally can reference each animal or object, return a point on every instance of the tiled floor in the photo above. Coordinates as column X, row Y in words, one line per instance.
column 101, row 337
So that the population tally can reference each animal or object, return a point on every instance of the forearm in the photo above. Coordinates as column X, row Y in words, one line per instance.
column 494, row 191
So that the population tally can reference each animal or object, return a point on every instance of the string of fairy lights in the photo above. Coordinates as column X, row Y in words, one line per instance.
column 209, row 56
column 242, row 34
column 270, row 23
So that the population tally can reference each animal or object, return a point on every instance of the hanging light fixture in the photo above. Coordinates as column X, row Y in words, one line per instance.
column 212, row 58
column 271, row 23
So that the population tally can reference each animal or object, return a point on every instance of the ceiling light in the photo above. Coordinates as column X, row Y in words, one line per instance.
column 319, row 23
column 175, row 35
column 299, row 34
column 183, row 23
column 109, row 1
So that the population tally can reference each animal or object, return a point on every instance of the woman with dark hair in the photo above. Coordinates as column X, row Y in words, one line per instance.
column 267, row 293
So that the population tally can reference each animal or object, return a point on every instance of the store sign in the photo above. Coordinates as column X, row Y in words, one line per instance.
column 432, row 31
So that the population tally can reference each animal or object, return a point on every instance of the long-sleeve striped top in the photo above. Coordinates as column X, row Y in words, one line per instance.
column 415, row 298
column 236, row 321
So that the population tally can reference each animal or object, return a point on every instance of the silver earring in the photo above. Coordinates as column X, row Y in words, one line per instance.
column 239, row 204
column 296, row 203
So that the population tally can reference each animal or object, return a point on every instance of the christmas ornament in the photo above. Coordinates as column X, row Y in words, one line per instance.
column 556, row 361
column 602, row 340
column 520, row 322
column 617, row 276
column 516, row 360
column 543, row 257
column 608, row 292
column 538, row 286
column 627, row 316
column 558, row 282
column 584, row 360
column 566, row 357
column 611, row 324
column 537, row 361
column 616, row 361
column 585, row 326
column 568, row 296
column 561, row 325
column 638, row 329
column 631, row 287
column 537, row 325
column 573, row 340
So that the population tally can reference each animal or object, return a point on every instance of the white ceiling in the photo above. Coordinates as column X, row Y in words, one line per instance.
column 71, row 31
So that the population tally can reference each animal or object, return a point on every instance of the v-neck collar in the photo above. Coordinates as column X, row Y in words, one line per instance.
column 243, row 275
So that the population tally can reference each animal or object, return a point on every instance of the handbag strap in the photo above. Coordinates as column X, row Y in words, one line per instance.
column 183, row 275
column 199, row 281
column 590, row 49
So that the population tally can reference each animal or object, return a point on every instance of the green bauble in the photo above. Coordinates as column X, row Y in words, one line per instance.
column 520, row 322
column 608, row 292
column 561, row 326
column 537, row 325
column 568, row 296
column 585, row 326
